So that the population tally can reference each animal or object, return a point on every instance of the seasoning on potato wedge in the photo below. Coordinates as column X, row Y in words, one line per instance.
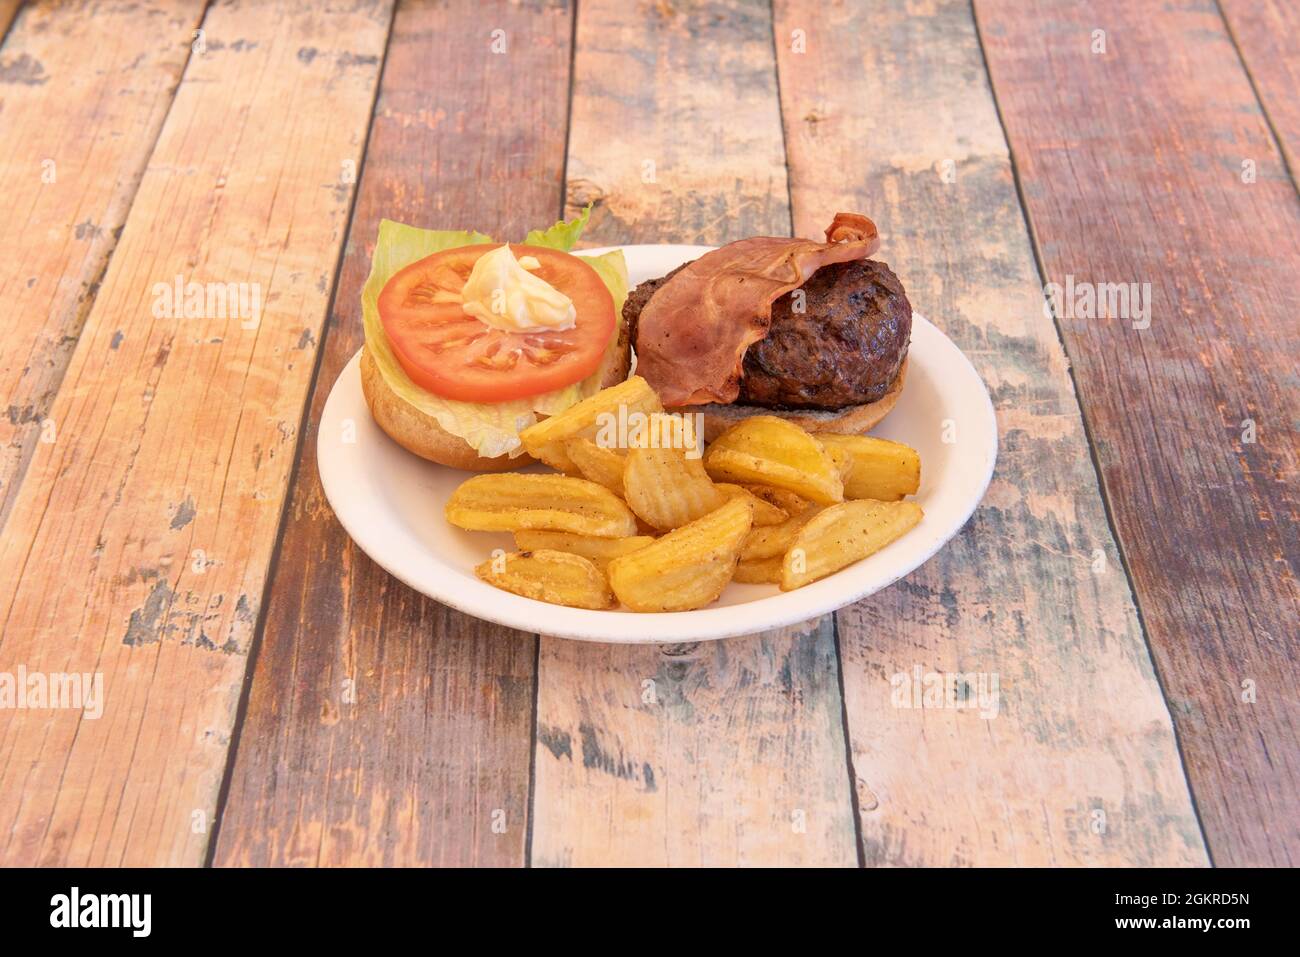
column 843, row 534
column 878, row 468
column 545, row 439
column 688, row 567
column 509, row 501
column 765, row 513
column 598, row 550
column 560, row 578
column 766, row 450
column 788, row 502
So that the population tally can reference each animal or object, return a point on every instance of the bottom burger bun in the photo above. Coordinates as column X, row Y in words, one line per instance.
column 851, row 420
column 420, row 432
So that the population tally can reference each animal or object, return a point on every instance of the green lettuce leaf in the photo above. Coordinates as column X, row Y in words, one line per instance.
column 493, row 428
column 562, row 235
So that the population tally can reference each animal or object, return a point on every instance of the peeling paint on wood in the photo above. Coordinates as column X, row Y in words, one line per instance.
column 1079, row 764
column 62, row 89
column 722, row 752
column 731, row 754
column 691, row 92
column 166, row 417
column 428, row 763
column 1138, row 176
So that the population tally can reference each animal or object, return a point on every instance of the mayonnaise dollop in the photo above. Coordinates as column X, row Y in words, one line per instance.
column 503, row 294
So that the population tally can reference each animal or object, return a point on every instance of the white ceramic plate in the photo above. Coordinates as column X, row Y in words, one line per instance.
column 391, row 503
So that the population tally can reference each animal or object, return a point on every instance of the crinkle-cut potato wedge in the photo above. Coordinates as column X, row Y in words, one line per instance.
column 765, row 513
column 560, row 578
column 759, row 571
column 664, row 486
column 687, row 568
column 787, row 502
column 766, row 450
column 598, row 550
column 510, row 501
column 597, row 463
column 878, row 468
column 545, row 439
column 772, row 541
column 667, row 430
column 666, row 490
column 843, row 534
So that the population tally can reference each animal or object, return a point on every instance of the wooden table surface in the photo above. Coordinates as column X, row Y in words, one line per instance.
column 272, row 697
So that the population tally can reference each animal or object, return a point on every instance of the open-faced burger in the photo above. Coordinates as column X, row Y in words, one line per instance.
column 468, row 342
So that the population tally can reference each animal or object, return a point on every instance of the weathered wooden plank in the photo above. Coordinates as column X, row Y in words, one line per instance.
column 1151, row 163
column 713, row 754
column 1267, row 36
column 723, row 752
column 887, row 110
column 649, row 145
column 138, row 544
column 429, row 764
column 80, row 118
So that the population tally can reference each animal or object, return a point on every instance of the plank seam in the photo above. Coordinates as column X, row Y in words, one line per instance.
column 780, row 114
column 859, row 849
column 537, row 638
column 250, row 667
column 1259, row 97
column 1092, row 443
column 568, row 124
column 9, row 27
column 532, row 729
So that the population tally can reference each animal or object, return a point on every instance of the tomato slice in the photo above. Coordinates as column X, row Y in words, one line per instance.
column 452, row 354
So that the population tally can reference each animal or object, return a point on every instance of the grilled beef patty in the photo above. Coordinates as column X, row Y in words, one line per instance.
column 845, row 348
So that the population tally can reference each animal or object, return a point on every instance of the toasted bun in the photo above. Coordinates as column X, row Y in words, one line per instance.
column 853, row 420
column 420, row 433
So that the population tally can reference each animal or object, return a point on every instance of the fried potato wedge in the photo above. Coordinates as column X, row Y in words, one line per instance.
column 664, row 486
column 842, row 458
column 843, row 534
column 545, row 439
column 878, row 468
column 765, row 513
column 510, row 501
column 772, row 541
column 597, row 463
column 760, row 571
column 687, row 568
column 767, row 450
column 560, row 578
column 600, row 551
